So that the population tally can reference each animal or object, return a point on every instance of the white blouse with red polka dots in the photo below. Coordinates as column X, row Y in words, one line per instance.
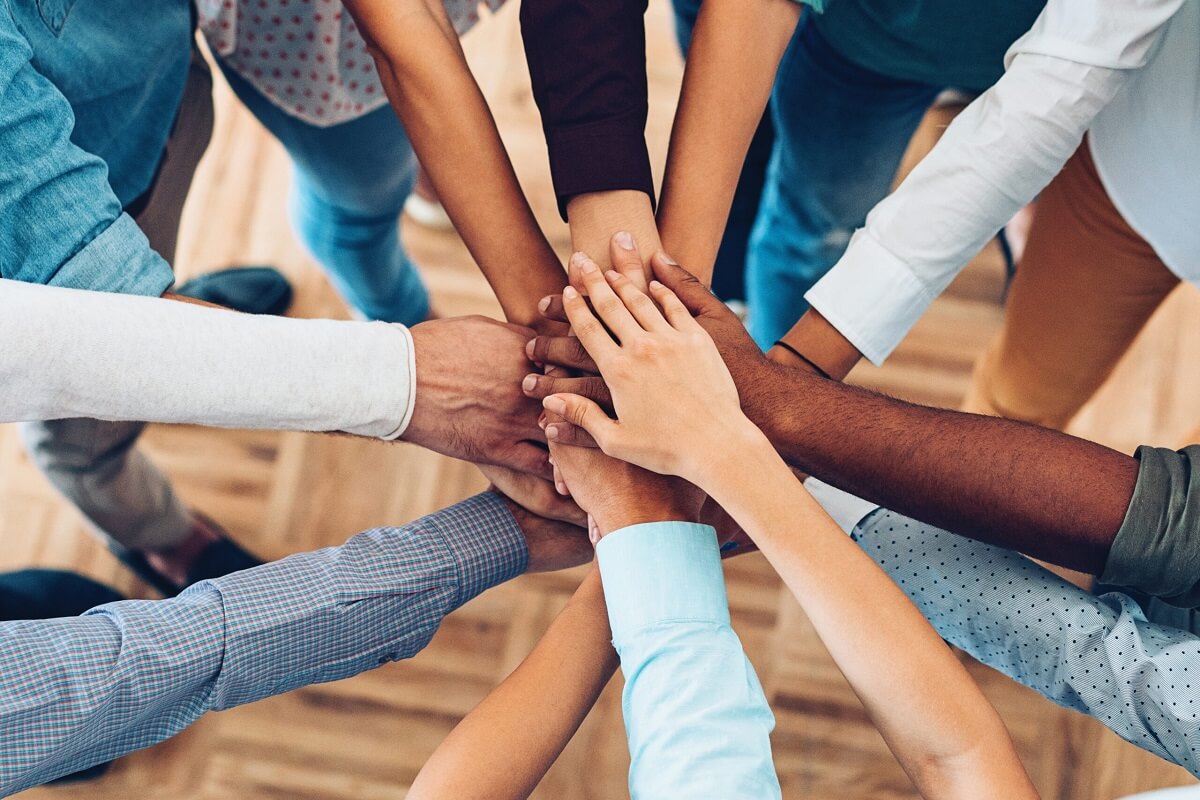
column 307, row 56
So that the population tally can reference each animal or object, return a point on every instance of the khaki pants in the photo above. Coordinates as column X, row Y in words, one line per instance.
column 1086, row 285
column 96, row 465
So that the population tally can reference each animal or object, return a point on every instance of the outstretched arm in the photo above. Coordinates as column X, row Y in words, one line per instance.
column 678, row 413
column 735, row 53
column 504, row 747
column 453, row 133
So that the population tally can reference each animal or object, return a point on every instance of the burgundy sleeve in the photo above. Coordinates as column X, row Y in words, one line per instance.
column 587, row 59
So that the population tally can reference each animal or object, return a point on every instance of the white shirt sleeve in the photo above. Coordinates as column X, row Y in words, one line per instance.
column 70, row 353
column 994, row 158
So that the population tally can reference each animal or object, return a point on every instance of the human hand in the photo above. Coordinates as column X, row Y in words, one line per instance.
column 617, row 494
column 535, row 494
column 469, row 403
column 677, row 406
column 552, row 544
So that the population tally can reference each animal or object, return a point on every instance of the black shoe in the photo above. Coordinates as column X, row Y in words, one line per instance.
column 220, row 558
column 50, row 593
column 251, row 290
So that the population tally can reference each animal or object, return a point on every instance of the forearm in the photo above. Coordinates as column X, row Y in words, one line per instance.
column 117, row 357
column 1026, row 488
column 934, row 718
column 735, row 53
column 79, row 691
column 587, row 66
column 1114, row 666
column 696, row 716
column 454, row 135
column 532, row 714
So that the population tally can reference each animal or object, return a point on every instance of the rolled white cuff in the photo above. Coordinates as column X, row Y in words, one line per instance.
column 872, row 297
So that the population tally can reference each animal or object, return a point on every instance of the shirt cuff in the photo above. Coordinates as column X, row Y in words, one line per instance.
column 599, row 158
column 659, row 572
column 847, row 510
column 119, row 260
column 407, row 401
column 483, row 561
column 871, row 297
column 1155, row 550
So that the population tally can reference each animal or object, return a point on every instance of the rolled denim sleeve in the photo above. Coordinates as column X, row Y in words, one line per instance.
column 60, row 222
column 79, row 691
column 1157, row 549
column 697, row 719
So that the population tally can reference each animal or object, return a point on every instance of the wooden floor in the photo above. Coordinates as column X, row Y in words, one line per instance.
column 365, row 738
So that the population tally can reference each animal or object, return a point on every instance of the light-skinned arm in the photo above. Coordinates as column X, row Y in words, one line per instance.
column 736, row 49
column 504, row 747
column 425, row 75
column 678, row 413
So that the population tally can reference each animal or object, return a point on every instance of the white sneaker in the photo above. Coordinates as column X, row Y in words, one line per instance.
column 427, row 213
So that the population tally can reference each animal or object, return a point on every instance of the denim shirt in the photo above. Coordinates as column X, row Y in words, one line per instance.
column 89, row 90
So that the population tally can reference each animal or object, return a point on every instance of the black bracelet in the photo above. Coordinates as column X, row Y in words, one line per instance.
column 804, row 358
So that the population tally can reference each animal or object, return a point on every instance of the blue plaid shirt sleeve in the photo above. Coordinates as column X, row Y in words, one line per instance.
column 79, row 691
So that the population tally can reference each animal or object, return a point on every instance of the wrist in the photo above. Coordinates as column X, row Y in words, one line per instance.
column 614, row 516
column 737, row 458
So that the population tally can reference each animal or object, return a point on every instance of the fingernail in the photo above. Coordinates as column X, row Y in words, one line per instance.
column 530, row 383
column 653, row 285
column 584, row 263
column 624, row 240
column 593, row 535
column 562, row 487
column 551, row 431
column 554, row 404
column 612, row 275
column 529, row 349
column 569, row 293
column 668, row 260
column 543, row 304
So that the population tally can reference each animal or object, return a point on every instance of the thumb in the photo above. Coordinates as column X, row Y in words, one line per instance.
column 584, row 413
column 694, row 295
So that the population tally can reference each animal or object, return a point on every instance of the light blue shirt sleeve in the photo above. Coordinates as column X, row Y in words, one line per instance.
column 697, row 720
column 60, row 222
column 79, row 691
column 1095, row 654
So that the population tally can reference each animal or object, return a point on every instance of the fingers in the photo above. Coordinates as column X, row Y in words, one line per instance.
column 694, row 295
column 626, row 259
column 586, row 414
column 529, row 458
column 565, row 433
column 591, row 333
column 560, row 351
column 680, row 318
column 551, row 307
column 639, row 305
column 608, row 306
column 593, row 388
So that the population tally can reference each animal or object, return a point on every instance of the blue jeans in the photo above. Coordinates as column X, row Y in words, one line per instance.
column 729, row 273
column 840, row 132
column 350, row 184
